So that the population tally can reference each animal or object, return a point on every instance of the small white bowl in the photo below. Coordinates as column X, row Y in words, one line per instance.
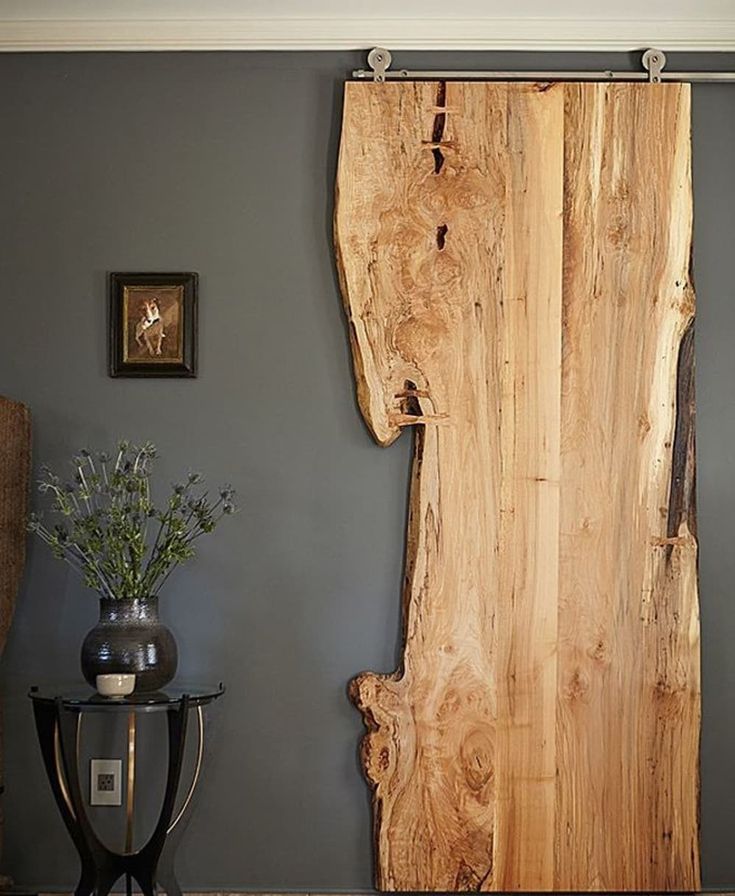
column 115, row 685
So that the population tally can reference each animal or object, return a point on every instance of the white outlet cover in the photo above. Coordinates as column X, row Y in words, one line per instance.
column 105, row 782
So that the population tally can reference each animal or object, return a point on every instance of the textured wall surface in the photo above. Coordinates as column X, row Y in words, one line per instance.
column 223, row 163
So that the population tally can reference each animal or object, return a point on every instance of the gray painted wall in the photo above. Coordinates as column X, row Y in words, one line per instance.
column 223, row 163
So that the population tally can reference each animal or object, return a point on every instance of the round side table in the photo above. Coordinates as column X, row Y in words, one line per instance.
column 58, row 724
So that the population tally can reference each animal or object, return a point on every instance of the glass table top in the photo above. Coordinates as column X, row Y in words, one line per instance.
column 88, row 700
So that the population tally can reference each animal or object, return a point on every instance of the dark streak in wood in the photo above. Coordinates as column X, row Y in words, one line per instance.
column 411, row 403
column 440, row 120
column 682, row 493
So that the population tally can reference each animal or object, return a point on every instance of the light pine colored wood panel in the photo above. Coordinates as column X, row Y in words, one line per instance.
column 458, row 326
column 628, row 711
column 528, row 329
column 432, row 743
column 476, row 226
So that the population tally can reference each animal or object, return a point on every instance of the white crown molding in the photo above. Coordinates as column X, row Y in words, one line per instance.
column 348, row 33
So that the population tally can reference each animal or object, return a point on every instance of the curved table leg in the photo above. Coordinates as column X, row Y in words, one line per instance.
column 144, row 864
column 100, row 868
column 166, row 871
column 107, row 866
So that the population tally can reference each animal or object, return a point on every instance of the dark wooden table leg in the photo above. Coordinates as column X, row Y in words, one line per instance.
column 57, row 735
column 166, row 871
column 107, row 866
column 144, row 865
column 47, row 727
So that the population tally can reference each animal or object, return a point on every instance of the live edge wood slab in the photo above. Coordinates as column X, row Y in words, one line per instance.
column 514, row 262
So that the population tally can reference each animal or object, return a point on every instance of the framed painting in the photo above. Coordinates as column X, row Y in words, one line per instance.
column 153, row 324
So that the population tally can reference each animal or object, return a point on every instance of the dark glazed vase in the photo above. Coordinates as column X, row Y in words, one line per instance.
column 130, row 638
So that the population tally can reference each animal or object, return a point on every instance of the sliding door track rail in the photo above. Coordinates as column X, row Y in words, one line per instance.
column 652, row 60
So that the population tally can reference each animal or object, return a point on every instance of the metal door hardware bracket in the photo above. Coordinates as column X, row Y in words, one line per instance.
column 379, row 61
column 652, row 61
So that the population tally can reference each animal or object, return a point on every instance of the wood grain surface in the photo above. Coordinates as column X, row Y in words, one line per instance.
column 514, row 261
column 15, row 463
column 15, row 468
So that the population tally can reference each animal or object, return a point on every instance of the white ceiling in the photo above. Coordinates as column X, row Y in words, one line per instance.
column 306, row 24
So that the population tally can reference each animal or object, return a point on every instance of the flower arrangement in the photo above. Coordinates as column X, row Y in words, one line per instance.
column 111, row 531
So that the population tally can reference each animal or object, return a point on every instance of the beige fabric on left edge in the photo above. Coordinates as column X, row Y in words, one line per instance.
column 15, row 468
column 514, row 261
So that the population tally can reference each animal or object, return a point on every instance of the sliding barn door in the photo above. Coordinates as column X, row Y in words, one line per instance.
column 514, row 261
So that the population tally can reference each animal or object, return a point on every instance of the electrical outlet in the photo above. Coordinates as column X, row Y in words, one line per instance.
column 105, row 782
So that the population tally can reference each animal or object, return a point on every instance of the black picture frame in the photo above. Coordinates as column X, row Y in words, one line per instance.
column 153, row 324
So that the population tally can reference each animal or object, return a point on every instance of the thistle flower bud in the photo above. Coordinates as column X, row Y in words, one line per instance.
column 61, row 532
